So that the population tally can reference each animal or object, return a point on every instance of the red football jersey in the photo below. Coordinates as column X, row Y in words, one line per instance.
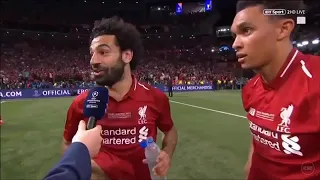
column 284, row 119
column 125, row 124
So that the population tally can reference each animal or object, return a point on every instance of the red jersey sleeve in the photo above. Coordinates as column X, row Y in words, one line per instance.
column 164, row 122
column 74, row 116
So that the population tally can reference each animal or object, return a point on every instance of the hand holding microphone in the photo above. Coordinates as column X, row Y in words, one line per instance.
column 90, row 138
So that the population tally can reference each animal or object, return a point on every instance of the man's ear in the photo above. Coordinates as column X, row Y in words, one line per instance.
column 285, row 28
column 127, row 56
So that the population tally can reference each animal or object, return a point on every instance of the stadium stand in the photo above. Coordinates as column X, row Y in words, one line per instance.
column 44, row 52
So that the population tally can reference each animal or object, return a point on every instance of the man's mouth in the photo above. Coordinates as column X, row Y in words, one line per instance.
column 241, row 57
column 98, row 72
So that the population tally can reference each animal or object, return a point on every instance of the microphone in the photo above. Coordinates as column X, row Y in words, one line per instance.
column 95, row 105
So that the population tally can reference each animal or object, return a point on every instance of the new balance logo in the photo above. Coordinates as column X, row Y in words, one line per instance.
column 290, row 145
column 252, row 111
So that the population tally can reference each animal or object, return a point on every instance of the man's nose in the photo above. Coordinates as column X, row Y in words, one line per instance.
column 95, row 59
column 237, row 44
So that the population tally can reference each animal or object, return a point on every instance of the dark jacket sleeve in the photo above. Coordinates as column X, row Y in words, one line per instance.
column 74, row 165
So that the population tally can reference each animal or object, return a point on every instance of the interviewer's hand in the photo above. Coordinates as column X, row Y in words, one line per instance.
column 90, row 138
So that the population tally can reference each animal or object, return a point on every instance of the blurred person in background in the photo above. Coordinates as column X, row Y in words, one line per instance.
column 169, row 85
column 1, row 121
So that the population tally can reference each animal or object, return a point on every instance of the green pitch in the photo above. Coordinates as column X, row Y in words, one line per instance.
column 213, row 136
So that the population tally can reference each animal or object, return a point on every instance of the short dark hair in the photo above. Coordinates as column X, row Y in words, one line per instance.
column 127, row 36
column 275, row 4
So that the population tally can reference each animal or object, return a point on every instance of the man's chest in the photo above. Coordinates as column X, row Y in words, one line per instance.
column 281, row 124
column 127, row 124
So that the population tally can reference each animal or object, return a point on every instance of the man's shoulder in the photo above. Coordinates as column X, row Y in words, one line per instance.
column 151, row 92
column 252, row 83
column 308, row 72
column 313, row 63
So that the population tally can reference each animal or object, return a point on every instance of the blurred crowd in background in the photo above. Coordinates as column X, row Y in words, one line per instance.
column 38, row 66
column 42, row 51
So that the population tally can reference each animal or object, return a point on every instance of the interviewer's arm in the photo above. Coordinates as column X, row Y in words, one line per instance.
column 97, row 172
column 74, row 165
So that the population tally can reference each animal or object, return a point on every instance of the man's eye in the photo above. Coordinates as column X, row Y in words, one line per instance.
column 104, row 53
column 247, row 31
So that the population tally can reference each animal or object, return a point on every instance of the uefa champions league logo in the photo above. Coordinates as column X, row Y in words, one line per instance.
column 36, row 93
column 95, row 94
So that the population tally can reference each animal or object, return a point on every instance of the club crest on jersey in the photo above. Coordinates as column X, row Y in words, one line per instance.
column 285, row 116
column 142, row 111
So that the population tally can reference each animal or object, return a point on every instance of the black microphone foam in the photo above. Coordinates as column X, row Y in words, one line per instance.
column 95, row 105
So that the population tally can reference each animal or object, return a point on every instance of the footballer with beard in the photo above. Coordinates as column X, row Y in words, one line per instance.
column 135, row 110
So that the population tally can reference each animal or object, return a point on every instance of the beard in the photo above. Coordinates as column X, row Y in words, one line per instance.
column 110, row 75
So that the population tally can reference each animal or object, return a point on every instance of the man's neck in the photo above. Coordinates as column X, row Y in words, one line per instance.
column 271, row 70
column 121, row 88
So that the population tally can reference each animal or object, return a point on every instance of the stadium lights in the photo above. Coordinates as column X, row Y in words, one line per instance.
column 305, row 43
column 299, row 45
column 316, row 41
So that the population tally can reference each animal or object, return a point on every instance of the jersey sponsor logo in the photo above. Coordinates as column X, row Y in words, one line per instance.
column 142, row 111
column 143, row 133
column 266, row 132
column 263, row 131
column 290, row 144
column 273, row 145
column 124, row 136
column 285, row 116
column 119, row 136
